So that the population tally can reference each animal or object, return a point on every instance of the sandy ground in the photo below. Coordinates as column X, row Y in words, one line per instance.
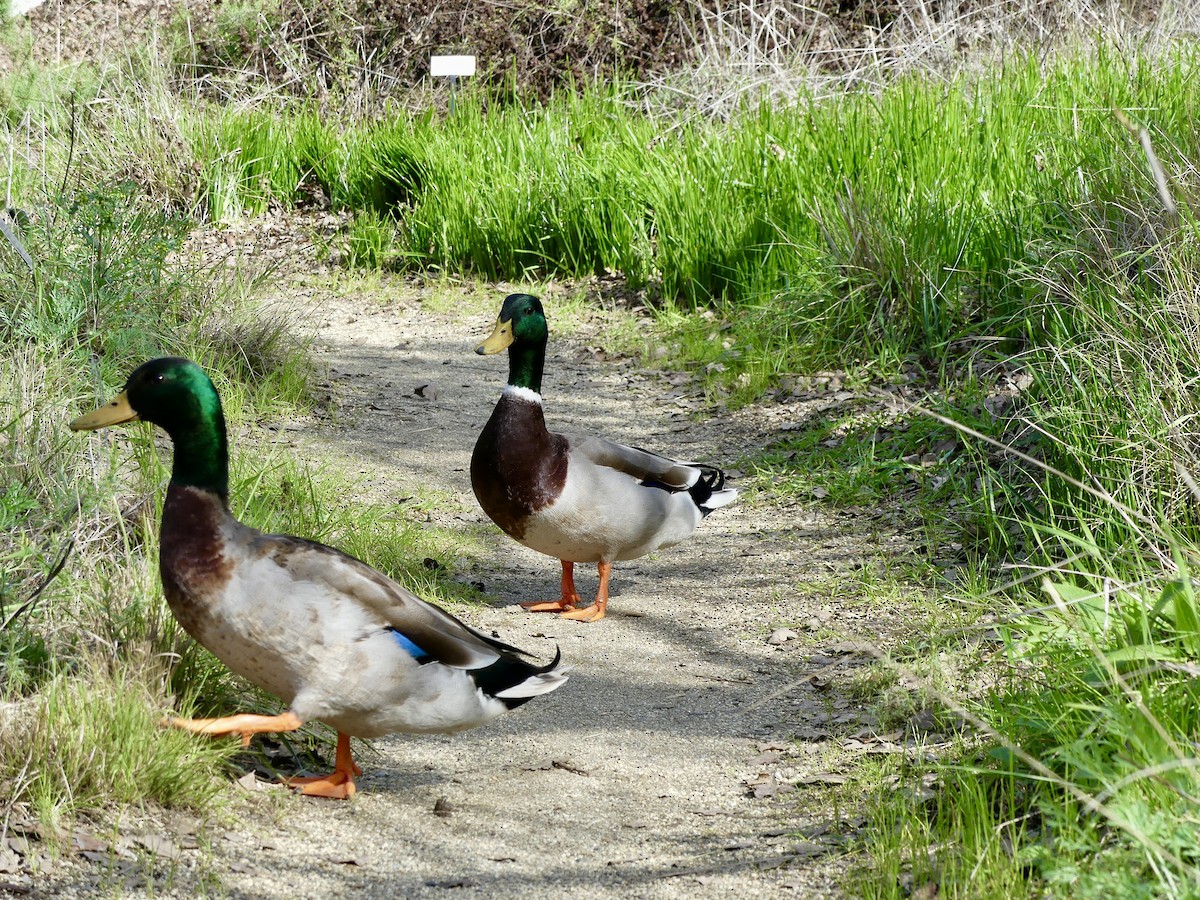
column 687, row 757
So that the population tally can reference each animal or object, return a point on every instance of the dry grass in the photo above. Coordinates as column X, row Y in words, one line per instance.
column 783, row 52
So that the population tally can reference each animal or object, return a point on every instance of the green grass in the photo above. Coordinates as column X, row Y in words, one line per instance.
column 89, row 739
column 83, row 661
column 1080, row 779
column 895, row 223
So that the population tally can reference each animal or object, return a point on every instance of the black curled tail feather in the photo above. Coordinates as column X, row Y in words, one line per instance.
column 710, row 481
column 506, row 678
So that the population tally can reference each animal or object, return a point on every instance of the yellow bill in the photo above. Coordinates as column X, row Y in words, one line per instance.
column 118, row 412
column 500, row 338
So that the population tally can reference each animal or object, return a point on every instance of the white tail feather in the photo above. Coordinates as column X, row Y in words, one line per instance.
column 541, row 683
column 720, row 498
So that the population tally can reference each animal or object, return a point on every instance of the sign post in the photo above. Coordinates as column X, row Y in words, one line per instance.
column 452, row 67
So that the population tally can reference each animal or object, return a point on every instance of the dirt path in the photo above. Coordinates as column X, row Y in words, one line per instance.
column 638, row 778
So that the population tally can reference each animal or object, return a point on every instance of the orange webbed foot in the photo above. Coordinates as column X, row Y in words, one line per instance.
column 593, row 613
column 550, row 605
column 570, row 596
column 244, row 725
column 337, row 785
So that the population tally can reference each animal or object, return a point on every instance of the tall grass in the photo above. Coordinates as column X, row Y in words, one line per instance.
column 86, row 650
column 889, row 223
column 1081, row 779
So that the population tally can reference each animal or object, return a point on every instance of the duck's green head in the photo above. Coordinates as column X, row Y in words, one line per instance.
column 178, row 396
column 521, row 321
column 521, row 329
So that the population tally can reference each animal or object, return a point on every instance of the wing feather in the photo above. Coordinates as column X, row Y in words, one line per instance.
column 434, row 630
column 641, row 464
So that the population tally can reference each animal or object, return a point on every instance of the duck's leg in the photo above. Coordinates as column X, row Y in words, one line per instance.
column 244, row 725
column 595, row 612
column 338, row 784
column 570, row 596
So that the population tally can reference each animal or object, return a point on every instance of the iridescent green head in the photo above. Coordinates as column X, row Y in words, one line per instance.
column 178, row 396
column 521, row 328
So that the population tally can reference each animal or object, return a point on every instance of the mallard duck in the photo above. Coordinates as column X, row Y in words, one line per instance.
column 334, row 639
column 578, row 499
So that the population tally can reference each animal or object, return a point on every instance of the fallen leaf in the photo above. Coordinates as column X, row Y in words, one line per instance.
column 781, row 636
column 808, row 850
column 777, row 746
column 249, row 782
column 823, row 778
column 443, row 808
column 158, row 845
column 426, row 391
column 27, row 827
column 764, row 788
column 10, row 863
column 89, row 842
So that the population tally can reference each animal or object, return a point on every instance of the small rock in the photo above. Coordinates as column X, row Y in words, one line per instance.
column 443, row 808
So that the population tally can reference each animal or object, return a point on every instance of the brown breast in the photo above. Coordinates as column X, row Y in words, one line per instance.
column 191, row 556
column 518, row 467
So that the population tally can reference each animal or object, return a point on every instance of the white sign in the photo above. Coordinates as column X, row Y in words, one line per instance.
column 451, row 66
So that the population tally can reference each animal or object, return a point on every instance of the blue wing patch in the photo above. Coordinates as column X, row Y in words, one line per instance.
column 411, row 648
